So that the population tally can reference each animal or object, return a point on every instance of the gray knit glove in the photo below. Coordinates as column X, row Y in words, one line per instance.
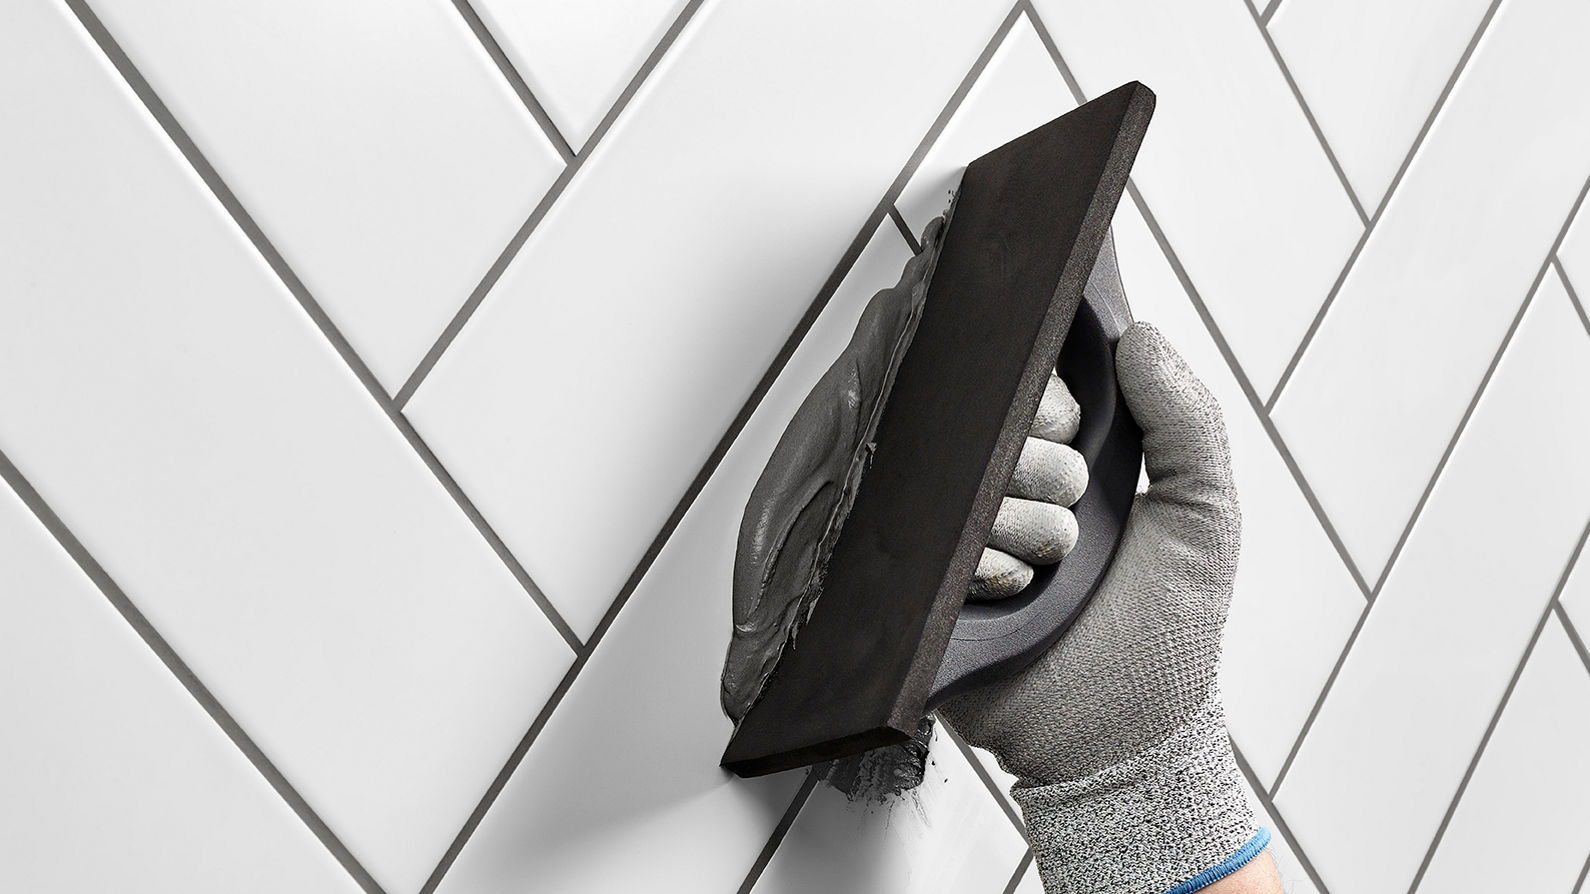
column 1126, row 776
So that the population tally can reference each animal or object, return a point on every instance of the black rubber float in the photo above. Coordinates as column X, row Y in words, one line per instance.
column 891, row 634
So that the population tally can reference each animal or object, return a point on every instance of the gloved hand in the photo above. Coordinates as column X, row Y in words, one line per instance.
column 1034, row 525
column 1126, row 777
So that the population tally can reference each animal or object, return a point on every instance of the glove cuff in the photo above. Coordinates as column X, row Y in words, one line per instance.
column 1167, row 821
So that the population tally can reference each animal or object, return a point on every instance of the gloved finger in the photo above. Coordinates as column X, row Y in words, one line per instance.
column 999, row 574
column 1184, row 436
column 1050, row 472
column 1059, row 416
column 1033, row 531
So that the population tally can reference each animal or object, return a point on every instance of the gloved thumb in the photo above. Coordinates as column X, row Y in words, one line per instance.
column 1184, row 434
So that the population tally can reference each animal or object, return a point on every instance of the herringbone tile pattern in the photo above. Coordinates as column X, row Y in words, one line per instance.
column 381, row 384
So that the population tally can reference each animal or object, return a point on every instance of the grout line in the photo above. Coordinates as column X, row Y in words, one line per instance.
column 1308, row 113
column 988, row 781
column 522, row 89
column 1214, row 330
column 1573, row 294
column 1385, row 200
column 840, row 271
column 779, row 831
column 1319, row 702
column 494, row 273
column 184, row 674
column 1440, row 103
column 1269, row 13
column 1280, row 821
column 1496, row 717
column 1507, row 338
column 1020, row 873
column 201, row 165
column 1578, row 886
column 1573, row 635
column 905, row 229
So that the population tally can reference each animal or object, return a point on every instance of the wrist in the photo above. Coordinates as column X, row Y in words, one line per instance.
column 1173, row 815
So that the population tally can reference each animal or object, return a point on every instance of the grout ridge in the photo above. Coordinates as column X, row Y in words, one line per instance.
column 477, row 296
column 988, row 781
column 489, row 43
column 1308, row 113
column 776, row 838
column 1385, row 201
column 180, row 669
column 1501, row 706
column 1020, row 873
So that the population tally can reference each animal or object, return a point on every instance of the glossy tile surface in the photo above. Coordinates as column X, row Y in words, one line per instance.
column 115, row 779
column 374, row 142
column 1530, row 793
column 672, row 271
column 1401, row 52
column 1396, row 733
column 172, row 402
column 590, row 809
column 1230, row 166
column 948, row 836
column 577, row 57
column 1369, row 411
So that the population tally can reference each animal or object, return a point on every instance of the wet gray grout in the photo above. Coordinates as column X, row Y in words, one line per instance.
column 1319, row 701
column 905, row 229
column 1215, row 334
column 184, row 674
column 1280, row 821
column 988, row 781
column 1020, row 873
column 201, row 165
column 1573, row 294
column 1572, row 630
column 777, row 837
column 493, row 49
column 1496, row 716
column 1380, row 209
column 1435, row 477
column 1490, row 371
column 1308, row 113
column 511, row 250
column 835, row 278
column 1269, row 13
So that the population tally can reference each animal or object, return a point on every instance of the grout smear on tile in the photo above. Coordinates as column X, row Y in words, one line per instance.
column 886, row 774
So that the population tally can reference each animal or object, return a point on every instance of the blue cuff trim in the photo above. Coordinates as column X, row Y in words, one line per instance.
column 1231, row 864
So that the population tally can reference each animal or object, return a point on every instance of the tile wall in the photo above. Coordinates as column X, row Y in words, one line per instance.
column 381, row 384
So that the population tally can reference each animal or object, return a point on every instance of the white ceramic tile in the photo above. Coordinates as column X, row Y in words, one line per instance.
column 1294, row 603
column 1524, row 821
column 1576, row 598
column 1398, row 729
column 1019, row 89
column 1371, row 71
column 1376, row 398
column 1002, row 780
column 586, row 393
column 577, row 57
column 1231, row 168
column 183, row 415
column 947, row 836
column 1294, row 880
column 115, row 779
column 621, row 791
column 374, row 142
